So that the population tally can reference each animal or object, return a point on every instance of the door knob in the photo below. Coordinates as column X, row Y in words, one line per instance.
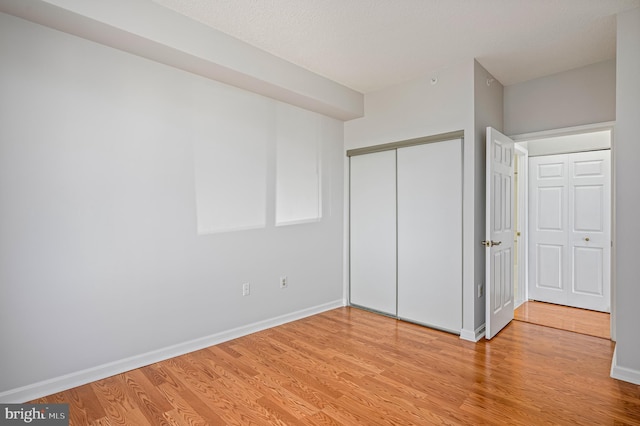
column 587, row 239
column 490, row 243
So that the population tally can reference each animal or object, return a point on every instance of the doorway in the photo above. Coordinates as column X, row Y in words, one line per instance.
column 562, row 142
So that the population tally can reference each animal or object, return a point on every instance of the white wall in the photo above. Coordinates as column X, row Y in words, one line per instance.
column 626, row 362
column 416, row 108
column 488, row 112
column 170, row 38
column 419, row 108
column 564, row 144
column 101, row 267
column 576, row 97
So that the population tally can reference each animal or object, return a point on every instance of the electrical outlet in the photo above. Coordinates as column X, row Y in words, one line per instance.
column 246, row 289
column 284, row 282
column 480, row 290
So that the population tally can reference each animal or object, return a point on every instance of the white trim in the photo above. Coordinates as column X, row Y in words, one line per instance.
column 614, row 315
column 68, row 381
column 623, row 373
column 607, row 125
column 472, row 336
column 346, row 231
column 523, row 212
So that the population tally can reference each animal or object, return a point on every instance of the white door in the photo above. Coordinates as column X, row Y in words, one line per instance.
column 430, row 234
column 499, row 232
column 548, row 233
column 570, row 222
column 373, row 231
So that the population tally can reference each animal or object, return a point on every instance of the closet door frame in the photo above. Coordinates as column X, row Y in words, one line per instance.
column 353, row 269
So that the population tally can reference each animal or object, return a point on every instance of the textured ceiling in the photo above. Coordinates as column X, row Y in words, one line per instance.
column 370, row 44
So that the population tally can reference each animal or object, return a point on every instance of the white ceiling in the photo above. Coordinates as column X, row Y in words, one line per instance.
column 370, row 44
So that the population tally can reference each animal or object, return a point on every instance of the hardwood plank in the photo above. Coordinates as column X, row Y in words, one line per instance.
column 274, row 387
column 111, row 393
column 119, row 409
column 279, row 412
column 158, row 374
column 396, row 405
column 101, row 422
column 582, row 321
column 287, row 367
column 350, row 367
column 175, row 419
column 320, row 419
column 147, row 398
column 236, row 365
column 84, row 406
column 189, row 408
column 213, row 395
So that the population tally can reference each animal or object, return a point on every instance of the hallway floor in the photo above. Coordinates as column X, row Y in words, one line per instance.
column 567, row 318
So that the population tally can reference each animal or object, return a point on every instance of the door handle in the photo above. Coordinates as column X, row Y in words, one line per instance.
column 490, row 243
column 587, row 239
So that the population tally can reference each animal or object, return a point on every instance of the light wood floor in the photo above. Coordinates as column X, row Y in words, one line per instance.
column 565, row 318
column 352, row 367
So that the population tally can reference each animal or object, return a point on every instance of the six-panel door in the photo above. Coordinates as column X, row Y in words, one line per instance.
column 570, row 223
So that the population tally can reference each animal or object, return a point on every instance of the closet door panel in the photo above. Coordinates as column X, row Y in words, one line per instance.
column 373, row 231
column 430, row 234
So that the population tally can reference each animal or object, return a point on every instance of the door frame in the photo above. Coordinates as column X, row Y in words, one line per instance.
column 524, row 139
column 522, row 159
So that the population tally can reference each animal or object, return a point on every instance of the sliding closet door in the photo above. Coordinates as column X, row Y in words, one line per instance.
column 373, row 231
column 430, row 234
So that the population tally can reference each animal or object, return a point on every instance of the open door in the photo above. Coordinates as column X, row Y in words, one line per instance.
column 499, row 232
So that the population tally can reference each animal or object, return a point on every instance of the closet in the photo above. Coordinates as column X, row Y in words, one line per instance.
column 570, row 229
column 406, row 231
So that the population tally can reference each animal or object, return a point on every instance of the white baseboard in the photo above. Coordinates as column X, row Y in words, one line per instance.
column 623, row 373
column 68, row 381
column 472, row 336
